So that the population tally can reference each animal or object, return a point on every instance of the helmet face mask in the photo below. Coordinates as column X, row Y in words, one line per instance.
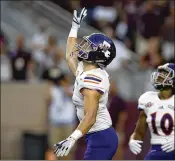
column 84, row 47
column 163, row 78
column 96, row 48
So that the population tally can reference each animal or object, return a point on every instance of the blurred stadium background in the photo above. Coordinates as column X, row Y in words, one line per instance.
column 33, row 43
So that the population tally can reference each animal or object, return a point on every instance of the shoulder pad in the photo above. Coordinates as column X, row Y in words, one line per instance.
column 144, row 98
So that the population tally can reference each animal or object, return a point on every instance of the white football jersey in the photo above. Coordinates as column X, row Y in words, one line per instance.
column 97, row 79
column 160, row 116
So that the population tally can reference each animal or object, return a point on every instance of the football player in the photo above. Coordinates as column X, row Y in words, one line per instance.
column 157, row 113
column 88, row 60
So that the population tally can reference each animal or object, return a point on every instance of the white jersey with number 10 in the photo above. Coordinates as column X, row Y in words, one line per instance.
column 160, row 116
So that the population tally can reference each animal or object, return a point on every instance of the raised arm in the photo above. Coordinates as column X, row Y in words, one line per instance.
column 71, row 56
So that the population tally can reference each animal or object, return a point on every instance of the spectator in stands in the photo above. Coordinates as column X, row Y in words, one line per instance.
column 56, row 53
column 123, row 31
column 117, row 110
column 150, row 61
column 61, row 112
column 39, row 39
column 21, row 62
column 149, row 25
column 39, row 42
column 123, row 53
column 104, row 15
column 152, row 58
column 49, row 52
column 52, row 56
column 131, row 10
column 5, row 64
column 162, row 7
column 168, row 36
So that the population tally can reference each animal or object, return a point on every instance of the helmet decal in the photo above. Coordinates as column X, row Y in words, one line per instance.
column 107, row 54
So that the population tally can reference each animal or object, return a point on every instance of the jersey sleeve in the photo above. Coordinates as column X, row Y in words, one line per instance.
column 94, row 81
column 142, row 101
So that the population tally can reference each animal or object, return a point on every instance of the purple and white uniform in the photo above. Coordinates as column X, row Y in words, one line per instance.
column 101, row 133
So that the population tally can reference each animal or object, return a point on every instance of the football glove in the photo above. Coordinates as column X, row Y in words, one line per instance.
column 78, row 19
column 135, row 146
column 63, row 148
column 168, row 146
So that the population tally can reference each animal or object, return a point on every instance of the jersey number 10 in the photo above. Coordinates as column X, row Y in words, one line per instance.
column 166, row 129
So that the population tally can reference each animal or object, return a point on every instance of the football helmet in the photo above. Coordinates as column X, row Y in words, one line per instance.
column 164, row 77
column 96, row 48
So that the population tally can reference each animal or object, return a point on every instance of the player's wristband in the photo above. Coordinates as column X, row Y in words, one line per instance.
column 76, row 134
column 73, row 32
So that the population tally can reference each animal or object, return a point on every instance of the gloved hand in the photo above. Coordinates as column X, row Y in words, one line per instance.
column 63, row 148
column 168, row 146
column 135, row 146
column 78, row 19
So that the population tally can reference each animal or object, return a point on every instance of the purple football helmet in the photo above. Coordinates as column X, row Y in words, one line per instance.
column 96, row 48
